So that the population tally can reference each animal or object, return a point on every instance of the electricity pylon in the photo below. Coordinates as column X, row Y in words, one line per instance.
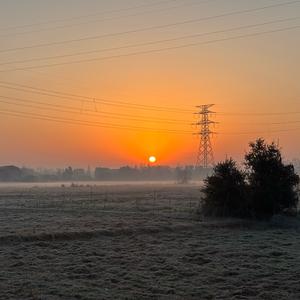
column 205, row 157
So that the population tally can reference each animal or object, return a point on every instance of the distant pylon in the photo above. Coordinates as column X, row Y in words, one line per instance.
column 205, row 156
column 83, row 105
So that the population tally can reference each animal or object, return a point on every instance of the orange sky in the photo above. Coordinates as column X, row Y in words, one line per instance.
column 243, row 77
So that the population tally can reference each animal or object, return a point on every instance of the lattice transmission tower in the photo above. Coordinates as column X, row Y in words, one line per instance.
column 205, row 156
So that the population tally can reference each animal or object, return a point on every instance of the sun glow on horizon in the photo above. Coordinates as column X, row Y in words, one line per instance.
column 105, row 110
column 152, row 159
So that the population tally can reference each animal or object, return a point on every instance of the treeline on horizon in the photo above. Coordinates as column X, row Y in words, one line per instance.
column 126, row 173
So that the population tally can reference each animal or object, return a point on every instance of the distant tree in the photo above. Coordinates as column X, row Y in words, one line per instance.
column 272, row 184
column 224, row 192
column 68, row 173
column 184, row 175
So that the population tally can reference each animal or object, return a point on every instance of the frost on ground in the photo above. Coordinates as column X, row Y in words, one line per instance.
column 138, row 242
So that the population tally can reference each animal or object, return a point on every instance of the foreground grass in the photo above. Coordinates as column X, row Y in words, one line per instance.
column 90, row 254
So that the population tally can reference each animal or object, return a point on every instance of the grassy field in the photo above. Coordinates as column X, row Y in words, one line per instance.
column 138, row 242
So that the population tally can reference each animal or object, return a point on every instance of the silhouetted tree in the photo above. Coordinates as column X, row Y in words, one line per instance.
column 225, row 191
column 272, row 184
column 267, row 187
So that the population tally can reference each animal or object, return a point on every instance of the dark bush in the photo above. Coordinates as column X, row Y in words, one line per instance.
column 224, row 191
column 272, row 184
column 267, row 187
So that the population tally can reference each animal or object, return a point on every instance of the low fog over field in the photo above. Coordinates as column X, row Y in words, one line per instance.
column 138, row 242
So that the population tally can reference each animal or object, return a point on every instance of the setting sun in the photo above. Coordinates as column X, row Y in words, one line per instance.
column 152, row 159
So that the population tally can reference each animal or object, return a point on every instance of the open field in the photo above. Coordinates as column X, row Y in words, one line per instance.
column 138, row 242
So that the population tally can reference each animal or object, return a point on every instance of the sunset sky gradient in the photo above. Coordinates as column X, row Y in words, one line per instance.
column 253, row 81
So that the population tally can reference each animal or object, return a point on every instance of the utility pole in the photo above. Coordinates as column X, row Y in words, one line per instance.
column 205, row 157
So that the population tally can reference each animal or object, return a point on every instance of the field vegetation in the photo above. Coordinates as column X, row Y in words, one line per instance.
column 139, row 242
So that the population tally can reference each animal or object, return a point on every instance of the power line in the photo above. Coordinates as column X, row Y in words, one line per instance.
column 72, row 121
column 152, row 51
column 152, row 42
column 153, row 27
column 87, row 16
column 75, row 97
column 259, row 132
column 89, row 99
column 259, row 114
column 116, row 126
column 104, row 114
column 105, row 19
column 69, row 109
